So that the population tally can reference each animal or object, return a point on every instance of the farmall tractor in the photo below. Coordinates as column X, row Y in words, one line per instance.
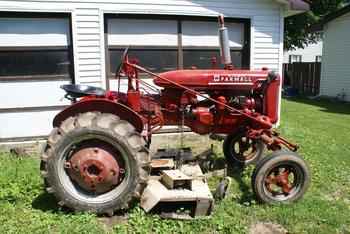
column 97, row 156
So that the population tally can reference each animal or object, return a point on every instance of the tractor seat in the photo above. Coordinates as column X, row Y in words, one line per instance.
column 77, row 91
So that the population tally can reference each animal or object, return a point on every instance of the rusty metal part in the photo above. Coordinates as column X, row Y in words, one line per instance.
column 279, row 178
column 272, row 139
column 156, row 163
column 95, row 169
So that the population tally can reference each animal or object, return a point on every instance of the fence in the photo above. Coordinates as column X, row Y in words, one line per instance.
column 305, row 77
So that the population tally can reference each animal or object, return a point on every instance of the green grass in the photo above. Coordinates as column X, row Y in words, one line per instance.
column 322, row 129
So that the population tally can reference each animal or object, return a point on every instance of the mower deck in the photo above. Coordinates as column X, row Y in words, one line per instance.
column 177, row 192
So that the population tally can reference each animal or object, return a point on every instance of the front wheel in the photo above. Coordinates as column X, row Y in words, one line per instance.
column 241, row 151
column 281, row 177
column 95, row 162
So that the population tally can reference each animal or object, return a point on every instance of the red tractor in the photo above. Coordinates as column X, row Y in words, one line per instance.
column 97, row 157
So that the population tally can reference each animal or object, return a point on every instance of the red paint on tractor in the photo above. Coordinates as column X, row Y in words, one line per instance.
column 215, row 79
column 272, row 95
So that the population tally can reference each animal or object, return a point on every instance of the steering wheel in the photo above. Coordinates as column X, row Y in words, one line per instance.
column 120, row 67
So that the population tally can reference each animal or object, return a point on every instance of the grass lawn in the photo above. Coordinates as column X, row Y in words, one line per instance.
column 322, row 129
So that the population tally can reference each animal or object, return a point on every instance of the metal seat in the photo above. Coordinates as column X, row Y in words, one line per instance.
column 77, row 91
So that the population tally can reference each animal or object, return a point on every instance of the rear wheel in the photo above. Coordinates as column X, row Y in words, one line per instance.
column 281, row 177
column 95, row 162
column 242, row 151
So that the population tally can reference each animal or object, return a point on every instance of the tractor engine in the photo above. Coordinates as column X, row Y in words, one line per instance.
column 248, row 91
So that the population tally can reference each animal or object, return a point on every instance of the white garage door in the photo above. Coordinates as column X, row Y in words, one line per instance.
column 35, row 59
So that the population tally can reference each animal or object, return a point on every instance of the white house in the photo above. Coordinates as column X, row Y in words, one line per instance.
column 335, row 74
column 311, row 53
column 44, row 44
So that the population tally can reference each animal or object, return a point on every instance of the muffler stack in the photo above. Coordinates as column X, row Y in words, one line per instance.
column 224, row 41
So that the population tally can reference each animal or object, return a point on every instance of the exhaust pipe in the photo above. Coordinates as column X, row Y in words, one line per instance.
column 224, row 42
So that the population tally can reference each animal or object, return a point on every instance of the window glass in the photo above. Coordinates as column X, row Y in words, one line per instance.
column 31, row 63
column 142, row 32
column 34, row 32
column 155, row 43
column 204, row 34
column 202, row 59
column 155, row 60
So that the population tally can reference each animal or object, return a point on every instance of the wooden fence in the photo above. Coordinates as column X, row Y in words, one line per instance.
column 305, row 77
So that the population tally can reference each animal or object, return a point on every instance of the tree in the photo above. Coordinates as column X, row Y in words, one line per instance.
column 297, row 33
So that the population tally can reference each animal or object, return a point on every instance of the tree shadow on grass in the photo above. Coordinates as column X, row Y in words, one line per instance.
column 237, row 173
column 46, row 202
column 326, row 105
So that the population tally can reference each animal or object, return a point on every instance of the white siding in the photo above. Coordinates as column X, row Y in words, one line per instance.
column 335, row 77
column 308, row 54
column 88, row 48
column 88, row 26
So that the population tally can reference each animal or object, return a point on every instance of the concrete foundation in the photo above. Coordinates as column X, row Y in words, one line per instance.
column 197, row 142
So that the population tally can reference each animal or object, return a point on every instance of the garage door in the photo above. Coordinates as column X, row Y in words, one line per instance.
column 35, row 59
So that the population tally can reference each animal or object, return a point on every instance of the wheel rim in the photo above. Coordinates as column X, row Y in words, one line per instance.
column 97, row 186
column 283, row 181
column 95, row 169
column 244, row 149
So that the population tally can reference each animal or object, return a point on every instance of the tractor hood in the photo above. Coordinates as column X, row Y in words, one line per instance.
column 212, row 79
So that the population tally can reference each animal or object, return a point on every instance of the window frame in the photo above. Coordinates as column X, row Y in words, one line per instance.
column 246, row 49
column 318, row 59
column 298, row 56
column 68, row 48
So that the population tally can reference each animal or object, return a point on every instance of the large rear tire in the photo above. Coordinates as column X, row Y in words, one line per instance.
column 101, row 183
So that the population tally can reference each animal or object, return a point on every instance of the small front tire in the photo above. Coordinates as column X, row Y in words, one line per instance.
column 282, row 177
column 241, row 151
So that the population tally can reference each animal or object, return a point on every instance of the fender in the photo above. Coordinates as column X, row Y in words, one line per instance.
column 100, row 105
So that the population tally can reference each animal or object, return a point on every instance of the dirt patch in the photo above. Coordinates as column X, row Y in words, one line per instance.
column 109, row 222
column 267, row 228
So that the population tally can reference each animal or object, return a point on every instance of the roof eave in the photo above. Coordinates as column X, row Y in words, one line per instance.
column 294, row 7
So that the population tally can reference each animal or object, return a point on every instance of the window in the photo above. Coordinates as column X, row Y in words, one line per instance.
column 295, row 58
column 164, row 43
column 35, row 47
column 319, row 59
column 200, row 43
column 156, row 60
column 152, row 42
